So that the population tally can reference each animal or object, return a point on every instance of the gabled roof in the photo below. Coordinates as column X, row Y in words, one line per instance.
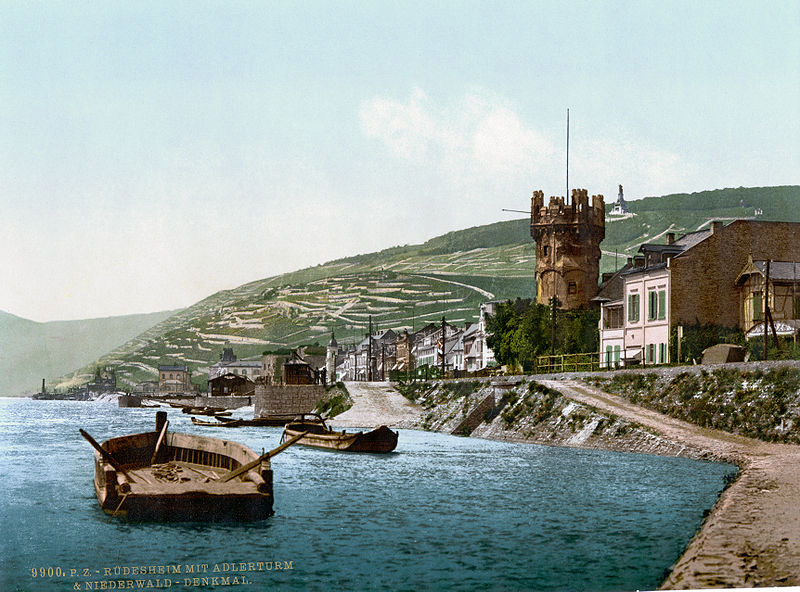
column 687, row 241
column 778, row 270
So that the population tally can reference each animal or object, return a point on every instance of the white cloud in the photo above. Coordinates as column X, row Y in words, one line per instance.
column 482, row 141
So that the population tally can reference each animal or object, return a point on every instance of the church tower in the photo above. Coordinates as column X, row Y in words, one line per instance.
column 330, row 359
column 568, row 240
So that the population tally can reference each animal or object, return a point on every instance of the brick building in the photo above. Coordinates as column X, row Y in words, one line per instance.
column 174, row 379
column 703, row 277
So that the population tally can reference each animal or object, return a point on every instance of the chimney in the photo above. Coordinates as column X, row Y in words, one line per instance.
column 670, row 238
column 630, row 261
column 607, row 276
column 638, row 260
column 716, row 226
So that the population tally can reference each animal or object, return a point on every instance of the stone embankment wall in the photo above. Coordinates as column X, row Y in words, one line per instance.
column 277, row 399
column 521, row 410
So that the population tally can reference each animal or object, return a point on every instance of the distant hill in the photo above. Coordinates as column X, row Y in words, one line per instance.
column 31, row 351
column 409, row 286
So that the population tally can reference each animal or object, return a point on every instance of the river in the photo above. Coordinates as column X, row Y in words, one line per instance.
column 440, row 513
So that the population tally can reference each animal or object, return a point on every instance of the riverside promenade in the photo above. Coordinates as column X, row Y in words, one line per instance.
column 751, row 538
column 376, row 404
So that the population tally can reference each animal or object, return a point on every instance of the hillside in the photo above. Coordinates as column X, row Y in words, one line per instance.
column 407, row 286
column 31, row 351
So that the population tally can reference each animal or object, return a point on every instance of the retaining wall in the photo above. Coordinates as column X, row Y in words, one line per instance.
column 279, row 399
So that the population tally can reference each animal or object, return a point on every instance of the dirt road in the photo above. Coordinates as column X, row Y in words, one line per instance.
column 752, row 536
column 376, row 404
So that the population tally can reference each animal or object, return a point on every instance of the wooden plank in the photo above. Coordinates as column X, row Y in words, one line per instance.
column 263, row 457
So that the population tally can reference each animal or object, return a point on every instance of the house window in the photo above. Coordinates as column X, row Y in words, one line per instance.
column 612, row 317
column 609, row 354
column 652, row 305
column 633, row 308
column 662, row 353
column 758, row 306
column 617, row 351
column 651, row 353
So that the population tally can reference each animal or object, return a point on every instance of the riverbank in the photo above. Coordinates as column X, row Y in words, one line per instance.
column 750, row 538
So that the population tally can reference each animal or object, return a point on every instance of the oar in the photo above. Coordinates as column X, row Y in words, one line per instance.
column 106, row 455
column 160, row 440
column 243, row 469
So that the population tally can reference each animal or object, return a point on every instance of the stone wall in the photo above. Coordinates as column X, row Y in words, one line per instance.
column 228, row 402
column 277, row 399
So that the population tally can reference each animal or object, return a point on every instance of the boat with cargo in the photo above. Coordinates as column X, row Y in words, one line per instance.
column 170, row 476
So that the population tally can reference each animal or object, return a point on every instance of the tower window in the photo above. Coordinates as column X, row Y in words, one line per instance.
column 572, row 288
column 546, row 250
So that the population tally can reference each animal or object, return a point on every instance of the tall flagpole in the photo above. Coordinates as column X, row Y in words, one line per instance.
column 566, row 195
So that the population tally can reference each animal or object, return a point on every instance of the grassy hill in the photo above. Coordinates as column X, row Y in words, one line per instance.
column 32, row 351
column 407, row 286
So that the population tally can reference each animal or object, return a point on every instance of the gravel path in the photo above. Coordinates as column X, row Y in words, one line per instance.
column 752, row 536
column 376, row 404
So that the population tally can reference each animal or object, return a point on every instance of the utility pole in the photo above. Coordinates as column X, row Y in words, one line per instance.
column 766, row 308
column 369, row 351
column 554, row 303
column 444, row 343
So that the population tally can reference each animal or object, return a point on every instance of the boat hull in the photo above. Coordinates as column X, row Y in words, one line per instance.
column 381, row 439
column 186, row 482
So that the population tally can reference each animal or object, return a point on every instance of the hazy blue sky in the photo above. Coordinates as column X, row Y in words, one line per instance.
column 152, row 153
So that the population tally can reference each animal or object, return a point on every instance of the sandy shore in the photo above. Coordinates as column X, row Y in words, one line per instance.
column 751, row 538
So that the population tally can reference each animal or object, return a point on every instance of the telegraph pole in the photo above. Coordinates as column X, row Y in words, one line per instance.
column 444, row 341
column 369, row 351
column 766, row 308
column 554, row 303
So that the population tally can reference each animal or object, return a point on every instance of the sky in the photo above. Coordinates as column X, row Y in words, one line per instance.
column 153, row 153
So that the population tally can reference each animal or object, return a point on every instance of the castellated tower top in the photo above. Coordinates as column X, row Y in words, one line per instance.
column 568, row 238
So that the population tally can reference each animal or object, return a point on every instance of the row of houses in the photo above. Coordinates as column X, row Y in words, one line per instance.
column 717, row 275
column 463, row 349
column 378, row 355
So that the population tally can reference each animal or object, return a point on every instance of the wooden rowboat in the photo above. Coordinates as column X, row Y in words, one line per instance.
column 212, row 411
column 165, row 476
column 318, row 434
column 266, row 421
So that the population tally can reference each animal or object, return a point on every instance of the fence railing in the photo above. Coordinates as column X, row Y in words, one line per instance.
column 568, row 363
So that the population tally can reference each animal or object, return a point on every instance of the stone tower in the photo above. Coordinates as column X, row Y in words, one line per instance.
column 568, row 240
column 330, row 359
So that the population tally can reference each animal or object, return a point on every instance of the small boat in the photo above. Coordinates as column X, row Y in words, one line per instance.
column 266, row 421
column 166, row 476
column 318, row 434
column 212, row 411
column 229, row 422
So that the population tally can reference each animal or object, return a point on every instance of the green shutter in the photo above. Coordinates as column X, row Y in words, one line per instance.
column 662, row 304
column 758, row 307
